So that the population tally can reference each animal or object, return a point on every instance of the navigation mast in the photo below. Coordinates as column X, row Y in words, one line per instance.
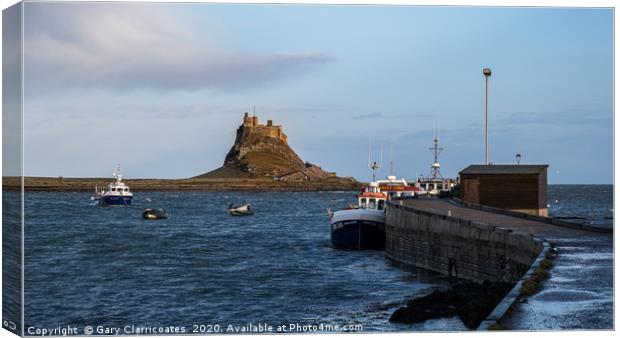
column 374, row 167
column 436, row 149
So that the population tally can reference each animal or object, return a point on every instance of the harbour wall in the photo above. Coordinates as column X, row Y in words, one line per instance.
column 457, row 247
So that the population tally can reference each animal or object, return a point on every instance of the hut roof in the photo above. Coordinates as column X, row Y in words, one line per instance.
column 498, row 169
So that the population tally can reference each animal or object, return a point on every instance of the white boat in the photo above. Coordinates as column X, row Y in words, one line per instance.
column 244, row 210
column 116, row 193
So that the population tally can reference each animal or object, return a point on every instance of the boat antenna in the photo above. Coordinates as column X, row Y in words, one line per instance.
column 381, row 158
column 369, row 146
column 254, row 110
column 438, row 123
column 391, row 160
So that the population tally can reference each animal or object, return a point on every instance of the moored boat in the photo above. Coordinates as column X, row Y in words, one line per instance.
column 244, row 210
column 154, row 214
column 116, row 193
column 362, row 226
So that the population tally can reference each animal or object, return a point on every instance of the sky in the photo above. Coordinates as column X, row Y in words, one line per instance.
column 160, row 88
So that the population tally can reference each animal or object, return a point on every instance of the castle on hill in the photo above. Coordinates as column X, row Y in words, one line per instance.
column 262, row 151
column 268, row 130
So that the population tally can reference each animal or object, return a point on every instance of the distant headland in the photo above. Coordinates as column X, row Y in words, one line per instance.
column 259, row 160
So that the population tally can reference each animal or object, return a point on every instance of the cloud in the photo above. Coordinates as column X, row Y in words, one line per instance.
column 125, row 46
column 575, row 116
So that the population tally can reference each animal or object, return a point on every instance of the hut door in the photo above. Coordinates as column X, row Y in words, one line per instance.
column 472, row 191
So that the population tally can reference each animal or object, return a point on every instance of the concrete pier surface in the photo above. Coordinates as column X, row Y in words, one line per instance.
column 579, row 292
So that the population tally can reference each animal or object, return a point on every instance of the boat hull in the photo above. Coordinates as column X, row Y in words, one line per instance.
column 241, row 213
column 358, row 230
column 115, row 200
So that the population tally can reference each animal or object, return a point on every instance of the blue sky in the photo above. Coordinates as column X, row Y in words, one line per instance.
column 161, row 88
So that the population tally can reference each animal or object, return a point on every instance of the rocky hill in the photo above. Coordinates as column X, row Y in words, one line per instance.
column 262, row 151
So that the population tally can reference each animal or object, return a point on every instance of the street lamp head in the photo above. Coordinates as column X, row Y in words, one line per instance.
column 486, row 71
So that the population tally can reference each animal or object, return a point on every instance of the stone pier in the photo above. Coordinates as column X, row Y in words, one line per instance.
column 480, row 243
column 439, row 236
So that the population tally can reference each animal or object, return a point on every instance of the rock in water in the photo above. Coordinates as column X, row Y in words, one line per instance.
column 472, row 302
column 438, row 304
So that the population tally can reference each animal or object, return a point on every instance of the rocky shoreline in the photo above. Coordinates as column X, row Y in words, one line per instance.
column 471, row 302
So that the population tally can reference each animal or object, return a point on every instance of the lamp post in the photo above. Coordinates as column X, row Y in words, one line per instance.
column 487, row 73
column 518, row 157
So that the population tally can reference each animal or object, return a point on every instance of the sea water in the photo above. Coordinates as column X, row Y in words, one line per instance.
column 203, row 270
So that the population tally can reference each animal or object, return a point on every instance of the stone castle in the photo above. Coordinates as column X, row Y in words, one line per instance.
column 268, row 130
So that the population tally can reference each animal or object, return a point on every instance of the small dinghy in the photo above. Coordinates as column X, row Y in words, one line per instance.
column 154, row 214
column 243, row 210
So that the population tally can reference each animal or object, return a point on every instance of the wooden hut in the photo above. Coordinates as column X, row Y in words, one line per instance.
column 521, row 188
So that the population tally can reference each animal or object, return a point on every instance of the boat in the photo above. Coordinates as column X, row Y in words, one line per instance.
column 116, row 193
column 154, row 214
column 243, row 210
column 361, row 226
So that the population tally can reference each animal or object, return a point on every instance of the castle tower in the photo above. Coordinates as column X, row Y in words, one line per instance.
column 268, row 130
column 247, row 121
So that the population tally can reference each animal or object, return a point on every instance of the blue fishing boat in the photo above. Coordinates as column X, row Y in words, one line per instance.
column 116, row 193
column 361, row 226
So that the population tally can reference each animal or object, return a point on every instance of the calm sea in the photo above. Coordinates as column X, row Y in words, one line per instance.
column 105, row 266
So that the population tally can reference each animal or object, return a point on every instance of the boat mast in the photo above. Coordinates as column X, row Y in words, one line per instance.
column 435, row 174
column 117, row 174
column 374, row 167
column 391, row 160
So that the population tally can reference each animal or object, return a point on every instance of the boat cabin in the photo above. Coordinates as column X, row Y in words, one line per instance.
column 117, row 188
column 120, row 189
column 372, row 197
column 396, row 188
